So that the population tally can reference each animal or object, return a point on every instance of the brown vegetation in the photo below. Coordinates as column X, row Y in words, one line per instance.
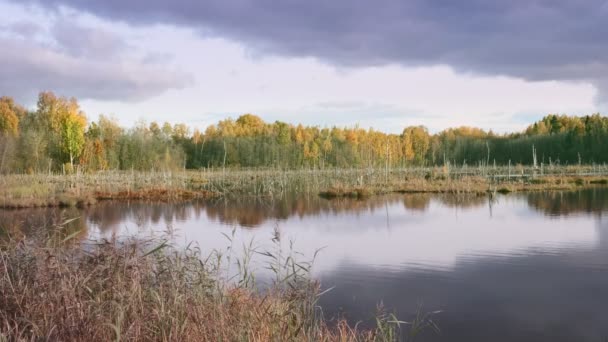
column 27, row 191
column 20, row 191
column 468, row 185
column 55, row 289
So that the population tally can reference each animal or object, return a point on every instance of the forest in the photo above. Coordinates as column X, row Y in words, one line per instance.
column 58, row 137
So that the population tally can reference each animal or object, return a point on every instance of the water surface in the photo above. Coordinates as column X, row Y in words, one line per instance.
column 531, row 267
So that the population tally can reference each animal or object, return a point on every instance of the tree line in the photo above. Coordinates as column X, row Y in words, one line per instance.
column 57, row 136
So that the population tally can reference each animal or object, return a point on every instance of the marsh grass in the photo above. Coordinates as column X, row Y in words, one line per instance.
column 19, row 191
column 54, row 287
column 80, row 190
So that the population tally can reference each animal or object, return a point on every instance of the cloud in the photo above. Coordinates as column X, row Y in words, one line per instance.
column 531, row 39
column 81, row 41
column 75, row 60
column 23, row 28
column 602, row 95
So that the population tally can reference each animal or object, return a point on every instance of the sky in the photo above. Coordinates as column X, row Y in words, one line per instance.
column 384, row 64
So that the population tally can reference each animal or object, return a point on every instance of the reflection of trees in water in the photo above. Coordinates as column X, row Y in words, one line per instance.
column 252, row 212
column 462, row 200
column 246, row 212
column 566, row 203
column 421, row 202
column 418, row 202
column 38, row 222
column 108, row 216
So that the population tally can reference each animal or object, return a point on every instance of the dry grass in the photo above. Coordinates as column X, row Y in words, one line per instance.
column 18, row 191
column 60, row 290
column 468, row 184
column 42, row 190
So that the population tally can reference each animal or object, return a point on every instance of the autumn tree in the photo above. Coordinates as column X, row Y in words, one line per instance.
column 93, row 154
column 57, row 133
column 66, row 125
column 249, row 124
column 73, row 124
column 10, row 114
column 416, row 141
column 110, row 134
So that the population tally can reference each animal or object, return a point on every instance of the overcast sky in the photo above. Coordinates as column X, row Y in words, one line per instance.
column 384, row 64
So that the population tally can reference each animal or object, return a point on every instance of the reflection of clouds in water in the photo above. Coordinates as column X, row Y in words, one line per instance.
column 539, row 297
column 391, row 232
column 437, row 238
column 549, row 293
column 533, row 268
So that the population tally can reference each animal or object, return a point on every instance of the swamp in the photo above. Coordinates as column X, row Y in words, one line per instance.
column 526, row 266
column 259, row 231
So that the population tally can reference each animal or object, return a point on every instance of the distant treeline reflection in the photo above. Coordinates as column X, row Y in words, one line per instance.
column 253, row 212
column 567, row 203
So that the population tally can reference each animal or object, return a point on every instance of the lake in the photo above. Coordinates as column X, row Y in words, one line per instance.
column 518, row 267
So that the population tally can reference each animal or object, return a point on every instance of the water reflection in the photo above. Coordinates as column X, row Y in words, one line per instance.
column 255, row 212
column 35, row 222
column 538, row 295
column 526, row 267
column 568, row 203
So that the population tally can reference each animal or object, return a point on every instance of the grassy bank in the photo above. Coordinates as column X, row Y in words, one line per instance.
column 57, row 289
column 470, row 185
column 49, row 190
column 17, row 191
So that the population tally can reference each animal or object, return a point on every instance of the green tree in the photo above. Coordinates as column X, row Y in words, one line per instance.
column 65, row 124
column 72, row 135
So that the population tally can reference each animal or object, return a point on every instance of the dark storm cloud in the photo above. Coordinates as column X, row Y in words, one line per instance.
column 80, row 41
column 531, row 39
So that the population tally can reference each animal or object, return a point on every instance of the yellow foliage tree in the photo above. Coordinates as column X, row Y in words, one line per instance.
column 415, row 141
column 10, row 114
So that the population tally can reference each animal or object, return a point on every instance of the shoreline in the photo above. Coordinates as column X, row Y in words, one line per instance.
column 42, row 190
column 473, row 185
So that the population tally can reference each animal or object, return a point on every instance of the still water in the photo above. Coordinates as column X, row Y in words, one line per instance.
column 527, row 267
